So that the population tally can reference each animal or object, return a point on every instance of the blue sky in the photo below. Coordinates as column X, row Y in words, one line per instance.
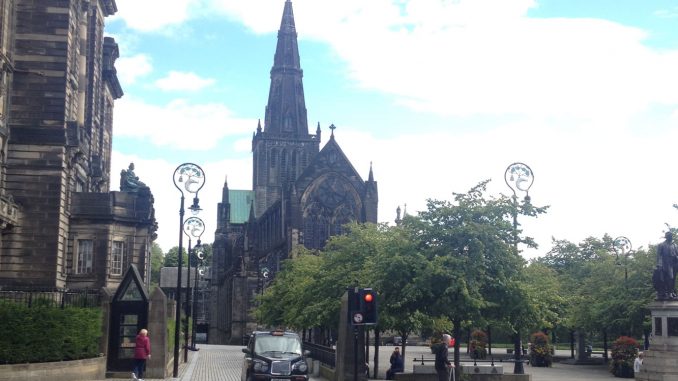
column 437, row 94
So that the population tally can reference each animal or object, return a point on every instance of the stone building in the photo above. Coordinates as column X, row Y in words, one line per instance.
column 61, row 226
column 301, row 195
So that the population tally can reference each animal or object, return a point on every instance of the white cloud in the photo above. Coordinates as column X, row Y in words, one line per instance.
column 670, row 13
column 482, row 57
column 573, row 87
column 132, row 68
column 154, row 15
column 570, row 173
column 168, row 124
column 183, row 81
column 157, row 174
column 596, row 183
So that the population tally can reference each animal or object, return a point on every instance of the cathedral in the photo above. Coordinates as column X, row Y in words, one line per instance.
column 301, row 195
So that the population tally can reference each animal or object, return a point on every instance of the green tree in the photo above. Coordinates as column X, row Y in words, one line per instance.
column 545, row 290
column 473, row 269
column 291, row 299
column 157, row 261
column 603, row 292
column 207, row 255
column 172, row 259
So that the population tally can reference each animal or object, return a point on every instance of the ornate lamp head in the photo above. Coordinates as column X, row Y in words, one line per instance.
column 189, row 177
column 194, row 227
column 519, row 177
column 621, row 247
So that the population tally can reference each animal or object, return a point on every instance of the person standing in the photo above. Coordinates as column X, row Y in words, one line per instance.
column 142, row 352
column 637, row 363
column 397, row 365
column 442, row 364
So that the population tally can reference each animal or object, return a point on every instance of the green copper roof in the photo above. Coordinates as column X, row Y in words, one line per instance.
column 240, row 205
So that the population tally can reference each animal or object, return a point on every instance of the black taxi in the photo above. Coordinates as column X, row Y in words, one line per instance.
column 274, row 356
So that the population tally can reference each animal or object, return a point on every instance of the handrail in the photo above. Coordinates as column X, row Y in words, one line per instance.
column 475, row 361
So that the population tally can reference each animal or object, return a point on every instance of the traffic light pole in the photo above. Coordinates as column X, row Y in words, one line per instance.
column 355, row 353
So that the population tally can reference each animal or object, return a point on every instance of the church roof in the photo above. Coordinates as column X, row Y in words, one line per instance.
column 241, row 201
column 331, row 158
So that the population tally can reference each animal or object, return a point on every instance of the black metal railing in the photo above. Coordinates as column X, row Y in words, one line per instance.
column 423, row 360
column 326, row 355
column 54, row 298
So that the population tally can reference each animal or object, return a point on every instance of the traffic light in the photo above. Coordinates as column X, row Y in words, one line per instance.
column 368, row 306
column 362, row 306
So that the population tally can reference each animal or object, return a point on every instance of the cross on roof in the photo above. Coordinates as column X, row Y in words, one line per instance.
column 332, row 127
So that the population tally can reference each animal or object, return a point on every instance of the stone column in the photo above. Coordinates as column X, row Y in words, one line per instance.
column 345, row 354
column 156, row 367
column 106, row 296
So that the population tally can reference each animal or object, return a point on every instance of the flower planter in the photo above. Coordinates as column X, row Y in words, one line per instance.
column 623, row 371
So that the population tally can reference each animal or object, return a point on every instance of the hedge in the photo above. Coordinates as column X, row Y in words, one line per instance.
column 43, row 333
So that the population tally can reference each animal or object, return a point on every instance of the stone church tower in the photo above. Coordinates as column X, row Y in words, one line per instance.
column 61, row 225
column 301, row 195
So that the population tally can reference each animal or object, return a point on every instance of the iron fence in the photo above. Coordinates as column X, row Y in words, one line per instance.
column 326, row 355
column 54, row 298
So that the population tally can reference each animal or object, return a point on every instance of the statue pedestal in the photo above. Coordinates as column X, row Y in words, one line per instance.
column 661, row 360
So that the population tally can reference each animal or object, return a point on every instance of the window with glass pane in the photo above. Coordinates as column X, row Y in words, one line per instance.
column 85, row 255
column 117, row 253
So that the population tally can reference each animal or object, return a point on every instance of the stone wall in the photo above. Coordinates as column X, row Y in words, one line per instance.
column 88, row 369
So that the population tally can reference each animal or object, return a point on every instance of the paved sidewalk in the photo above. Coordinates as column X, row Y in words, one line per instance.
column 224, row 363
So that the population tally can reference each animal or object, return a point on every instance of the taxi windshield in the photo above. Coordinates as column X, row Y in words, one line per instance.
column 283, row 344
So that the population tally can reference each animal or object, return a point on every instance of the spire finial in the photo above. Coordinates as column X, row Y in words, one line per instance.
column 371, row 176
column 332, row 127
column 259, row 126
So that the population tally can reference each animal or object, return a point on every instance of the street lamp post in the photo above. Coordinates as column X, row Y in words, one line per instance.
column 193, row 228
column 622, row 249
column 190, row 178
column 200, row 255
column 519, row 177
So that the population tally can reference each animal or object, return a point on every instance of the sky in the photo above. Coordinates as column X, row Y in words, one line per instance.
column 437, row 95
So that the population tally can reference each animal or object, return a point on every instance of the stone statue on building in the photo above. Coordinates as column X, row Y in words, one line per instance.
column 129, row 181
column 664, row 277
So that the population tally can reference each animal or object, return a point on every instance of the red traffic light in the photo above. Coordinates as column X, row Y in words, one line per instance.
column 368, row 298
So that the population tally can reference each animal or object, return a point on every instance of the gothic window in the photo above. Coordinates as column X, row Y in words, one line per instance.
column 294, row 166
column 274, row 157
column 287, row 121
column 272, row 170
column 329, row 204
column 117, row 253
column 84, row 256
column 283, row 166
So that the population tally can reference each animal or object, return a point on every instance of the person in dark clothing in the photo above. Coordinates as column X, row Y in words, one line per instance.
column 397, row 364
column 142, row 352
column 442, row 364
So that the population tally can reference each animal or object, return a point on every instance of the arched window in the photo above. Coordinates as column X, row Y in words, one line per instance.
column 328, row 204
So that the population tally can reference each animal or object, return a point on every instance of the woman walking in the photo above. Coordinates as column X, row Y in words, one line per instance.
column 142, row 352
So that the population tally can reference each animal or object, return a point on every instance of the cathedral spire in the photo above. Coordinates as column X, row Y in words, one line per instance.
column 286, row 109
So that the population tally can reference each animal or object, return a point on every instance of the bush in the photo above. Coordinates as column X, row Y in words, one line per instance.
column 624, row 351
column 478, row 344
column 540, row 350
column 44, row 334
